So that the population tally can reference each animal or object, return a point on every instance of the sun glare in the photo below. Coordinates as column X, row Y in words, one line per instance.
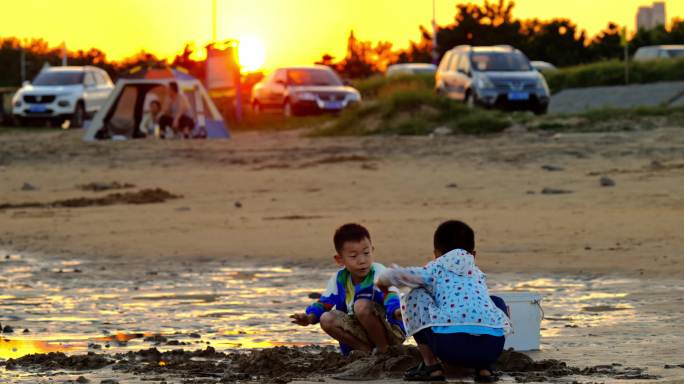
column 251, row 54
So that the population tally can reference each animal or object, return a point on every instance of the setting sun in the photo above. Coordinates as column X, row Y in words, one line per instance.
column 251, row 54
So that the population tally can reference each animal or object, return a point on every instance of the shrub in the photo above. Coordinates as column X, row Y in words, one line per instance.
column 613, row 73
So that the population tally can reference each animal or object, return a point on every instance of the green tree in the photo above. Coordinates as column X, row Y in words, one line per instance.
column 606, row 45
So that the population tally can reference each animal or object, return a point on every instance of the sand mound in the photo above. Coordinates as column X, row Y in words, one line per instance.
column 283, row 364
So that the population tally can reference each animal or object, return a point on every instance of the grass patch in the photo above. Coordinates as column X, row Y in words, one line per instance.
column 612, row 72
column 611, row 120
column 380, row 86
column 405, row 112
column 17, row 129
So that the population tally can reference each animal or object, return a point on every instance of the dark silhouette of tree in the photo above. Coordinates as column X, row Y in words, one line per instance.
column 490, row 24
column 417, row 52
column 606, row 45
column 658, row 35
column 557, row 41
column 184, row 60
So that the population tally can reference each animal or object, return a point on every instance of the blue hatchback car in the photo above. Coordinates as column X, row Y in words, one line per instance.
column 493, row 76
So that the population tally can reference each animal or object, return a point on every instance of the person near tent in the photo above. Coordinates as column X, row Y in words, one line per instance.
column 149, row 126
column 177, row 113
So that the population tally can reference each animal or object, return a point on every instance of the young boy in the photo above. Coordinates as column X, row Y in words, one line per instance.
column 449, row 311
column 149, row 125
column 352, row 310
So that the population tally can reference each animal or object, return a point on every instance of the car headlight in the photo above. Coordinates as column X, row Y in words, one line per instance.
column 354, row 96
column 483, row 82
column 305, row 96
column 541, row 84
column 17, row 103
column 63, row 103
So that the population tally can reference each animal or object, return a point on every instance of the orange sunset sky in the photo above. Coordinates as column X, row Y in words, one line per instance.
column 290, row 31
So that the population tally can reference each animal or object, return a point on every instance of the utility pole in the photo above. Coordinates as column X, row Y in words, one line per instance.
column 22, row 61
column 435, row 54
column 64, row 54
column 625, row 44
column 213, row 21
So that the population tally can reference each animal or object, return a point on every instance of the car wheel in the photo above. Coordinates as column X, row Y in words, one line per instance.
column 22, row 121
column 541, row 110
column 256, row 108
column 79, row 116
column 470, row 101
column 287, row 109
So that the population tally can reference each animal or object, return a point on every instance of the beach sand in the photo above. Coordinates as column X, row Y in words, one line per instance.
column 277, row 197
column 535, row 200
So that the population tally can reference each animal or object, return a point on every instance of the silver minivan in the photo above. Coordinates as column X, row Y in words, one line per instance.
column 652, row 52
column 493, row 77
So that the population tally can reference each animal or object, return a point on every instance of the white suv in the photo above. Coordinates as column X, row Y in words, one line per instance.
column 62, row 93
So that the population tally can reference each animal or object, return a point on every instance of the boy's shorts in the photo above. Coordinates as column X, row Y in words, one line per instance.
column 351, row 324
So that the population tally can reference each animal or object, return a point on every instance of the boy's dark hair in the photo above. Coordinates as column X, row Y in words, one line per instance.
column 454, row 234
column 349, row 232
column 174, row 86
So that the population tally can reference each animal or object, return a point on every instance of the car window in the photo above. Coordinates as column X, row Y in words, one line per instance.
column 675, row 53
column 444, row 64
column 453, row 64
column 464, row 64
column 646, row 53
column 59, row 78
column 101, row 78
column 500, row 61
column 280, row 75
column 313, row 76
column 98, row 78
column 89, row 79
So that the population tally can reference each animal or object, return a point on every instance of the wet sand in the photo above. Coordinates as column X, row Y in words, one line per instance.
column 608, row 258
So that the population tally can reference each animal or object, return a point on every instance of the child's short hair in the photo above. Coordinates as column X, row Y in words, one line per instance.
column 454, row 234
column 349, row 232
column 174, row 86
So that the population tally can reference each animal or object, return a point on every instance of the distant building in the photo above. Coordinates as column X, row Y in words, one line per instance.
column 651, row 17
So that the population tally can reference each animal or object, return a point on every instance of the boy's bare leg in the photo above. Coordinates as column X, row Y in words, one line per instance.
column 329, row 325
column 426, row 353
column 365, row 314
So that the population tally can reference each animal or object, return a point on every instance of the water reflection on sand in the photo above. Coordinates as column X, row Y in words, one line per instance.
column 74, row 306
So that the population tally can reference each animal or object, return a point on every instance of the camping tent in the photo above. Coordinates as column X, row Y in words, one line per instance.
column 123, row 111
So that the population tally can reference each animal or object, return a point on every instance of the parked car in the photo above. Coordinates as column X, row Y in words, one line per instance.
column 652, row 52
column 303, row 90
column 62, row 93
column 493, row 76
column 410, row 69
column 543, row 66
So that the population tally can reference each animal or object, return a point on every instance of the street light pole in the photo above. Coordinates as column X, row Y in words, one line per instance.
column 213, row 21
column 434, row 34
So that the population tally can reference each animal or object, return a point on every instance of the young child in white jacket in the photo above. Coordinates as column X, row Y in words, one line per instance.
column 449, row 311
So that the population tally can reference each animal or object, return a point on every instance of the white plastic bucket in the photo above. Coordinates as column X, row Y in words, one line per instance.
column 526, row 317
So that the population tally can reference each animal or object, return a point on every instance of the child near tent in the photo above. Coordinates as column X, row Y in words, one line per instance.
column 149, row 125
column 449, row 311
column 352, row 309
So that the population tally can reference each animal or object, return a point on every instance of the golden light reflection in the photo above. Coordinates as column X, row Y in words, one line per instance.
column 12, row 349
column 125, row 337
